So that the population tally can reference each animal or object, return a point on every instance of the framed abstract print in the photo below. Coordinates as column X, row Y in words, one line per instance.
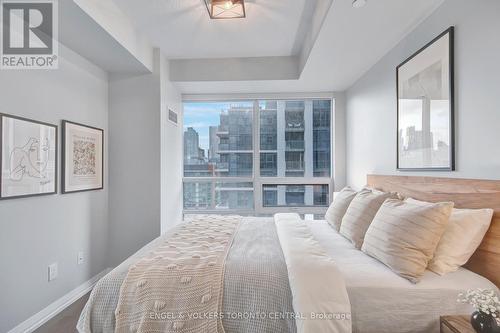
column 82, row 157
column 28, row 150
column 425, row 104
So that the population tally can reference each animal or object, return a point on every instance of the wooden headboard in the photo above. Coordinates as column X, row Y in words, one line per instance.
column 465, row 193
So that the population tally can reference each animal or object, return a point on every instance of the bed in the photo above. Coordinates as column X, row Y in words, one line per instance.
column 256, row 276
column 410, row 307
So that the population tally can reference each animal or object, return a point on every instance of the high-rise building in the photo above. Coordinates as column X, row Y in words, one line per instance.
column 201, row 154
column 213, row 156
column 321, row 138
column 235, row 142
column 294, row 128
column 235, row 156
column 191, row 146
column 195, row 163
column 268, row 112
column 197, row 195
column 294, row 142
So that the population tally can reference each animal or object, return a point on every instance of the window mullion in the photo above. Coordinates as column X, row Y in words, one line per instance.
column 333, row 154
column 257, row 193
column 212, row 188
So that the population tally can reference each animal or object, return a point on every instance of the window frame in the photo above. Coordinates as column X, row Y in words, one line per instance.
column 256, row 179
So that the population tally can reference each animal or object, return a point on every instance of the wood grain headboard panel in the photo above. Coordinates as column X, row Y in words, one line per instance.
column 465, row 193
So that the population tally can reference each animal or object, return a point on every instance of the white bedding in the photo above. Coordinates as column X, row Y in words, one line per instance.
column 382, row 301
column 310, row 268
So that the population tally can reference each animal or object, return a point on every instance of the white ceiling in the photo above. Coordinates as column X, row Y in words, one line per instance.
column 182, row 28
column 349, row 43
column 80, row 32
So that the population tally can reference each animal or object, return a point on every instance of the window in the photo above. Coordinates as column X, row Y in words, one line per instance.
column 268, row 164
column 235, row 196
column 295, row 195
column 258, row 155
column 218, row 139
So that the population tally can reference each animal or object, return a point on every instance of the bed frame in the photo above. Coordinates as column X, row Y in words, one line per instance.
column 465, row 193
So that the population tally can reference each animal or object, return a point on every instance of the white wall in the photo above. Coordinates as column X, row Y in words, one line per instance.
column 136, row 103
column 171, row 152
column 371, row 102
column 38, row 231
column 134, row 162
column 110, row 18
column 235, row 69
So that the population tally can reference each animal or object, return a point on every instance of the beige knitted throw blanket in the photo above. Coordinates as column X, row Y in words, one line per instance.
column 178, row 286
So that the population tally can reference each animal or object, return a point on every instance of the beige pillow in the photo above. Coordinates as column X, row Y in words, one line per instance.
column 339, row 206
column 404, row 235
column 462, row 237
column 360, row 214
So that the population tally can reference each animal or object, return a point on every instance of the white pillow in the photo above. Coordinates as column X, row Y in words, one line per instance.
column 339, row 206
column 462, row 237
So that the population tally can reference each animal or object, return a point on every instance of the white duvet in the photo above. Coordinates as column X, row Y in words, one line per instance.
column 320, row 298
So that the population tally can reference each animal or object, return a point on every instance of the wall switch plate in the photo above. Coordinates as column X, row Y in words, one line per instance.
column 53, row 271
column 80, row 258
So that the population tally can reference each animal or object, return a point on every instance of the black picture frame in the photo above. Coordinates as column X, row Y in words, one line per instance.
column 64, row 190
column 5, row 115
column 451, row 78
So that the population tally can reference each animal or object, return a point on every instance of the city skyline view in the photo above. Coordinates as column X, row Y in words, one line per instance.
column 294, row 140
column 201, row 115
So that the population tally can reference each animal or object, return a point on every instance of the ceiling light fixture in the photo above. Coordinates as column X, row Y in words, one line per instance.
column 359, row 3
column 225, row 9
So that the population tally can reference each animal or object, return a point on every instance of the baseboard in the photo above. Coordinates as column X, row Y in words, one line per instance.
column 40, row 318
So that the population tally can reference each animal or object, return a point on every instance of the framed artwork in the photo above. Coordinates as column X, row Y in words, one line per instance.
column 28, row 151
column 425, row 104
column 82, row 157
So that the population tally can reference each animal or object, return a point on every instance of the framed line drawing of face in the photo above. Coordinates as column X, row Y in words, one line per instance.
column 425, row 103
column 28, row 150
column 83, row 157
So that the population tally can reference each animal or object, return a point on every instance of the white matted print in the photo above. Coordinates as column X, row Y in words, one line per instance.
column 29, row 157
column 83, row 162
column 425, row 107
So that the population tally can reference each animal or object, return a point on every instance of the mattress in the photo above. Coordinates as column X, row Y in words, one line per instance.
column 382, row 301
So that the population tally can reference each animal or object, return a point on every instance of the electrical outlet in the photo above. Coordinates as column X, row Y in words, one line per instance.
column 53, row 271
column 80, row 258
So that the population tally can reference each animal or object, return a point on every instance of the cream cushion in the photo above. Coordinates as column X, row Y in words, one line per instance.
column 404, row 235
column 462, row 237
column 360, row 214
column 339, row 206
